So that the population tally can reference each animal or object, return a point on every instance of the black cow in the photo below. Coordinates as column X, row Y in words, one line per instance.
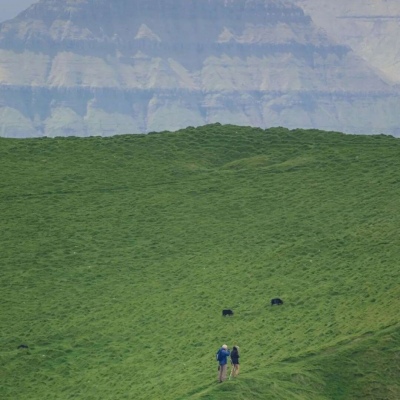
column 277, row 302
column 227, row 312
column 23, row 346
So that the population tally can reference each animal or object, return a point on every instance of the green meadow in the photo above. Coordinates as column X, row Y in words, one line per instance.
column 119, row 254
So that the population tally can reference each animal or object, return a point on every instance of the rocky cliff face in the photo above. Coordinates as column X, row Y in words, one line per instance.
column 100, row 67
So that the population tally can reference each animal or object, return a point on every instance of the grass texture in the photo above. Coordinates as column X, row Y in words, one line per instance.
column 119, row 254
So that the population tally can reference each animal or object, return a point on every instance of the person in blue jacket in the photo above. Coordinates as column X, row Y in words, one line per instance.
column 222, row 358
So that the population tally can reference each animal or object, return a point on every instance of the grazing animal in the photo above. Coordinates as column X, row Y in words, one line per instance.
column 227, row 312
column 277, row 302
column 23, row 346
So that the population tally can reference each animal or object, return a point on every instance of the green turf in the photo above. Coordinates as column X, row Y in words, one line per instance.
column 118, row 255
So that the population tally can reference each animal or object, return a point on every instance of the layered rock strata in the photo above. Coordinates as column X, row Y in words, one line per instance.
column 100, row 67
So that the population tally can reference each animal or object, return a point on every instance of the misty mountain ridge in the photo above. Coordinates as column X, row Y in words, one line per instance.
column 95, row 67
column 369, row 27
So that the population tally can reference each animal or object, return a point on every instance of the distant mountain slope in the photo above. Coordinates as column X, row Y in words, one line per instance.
column 370, row 27
column 95, row 67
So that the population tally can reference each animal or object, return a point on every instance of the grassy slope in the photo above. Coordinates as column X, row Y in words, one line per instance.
column 118, row 255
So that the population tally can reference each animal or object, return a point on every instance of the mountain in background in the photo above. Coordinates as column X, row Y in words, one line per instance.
column 370, row 27
column 100, row 67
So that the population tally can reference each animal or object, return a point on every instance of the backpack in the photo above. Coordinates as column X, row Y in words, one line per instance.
column 217, row 355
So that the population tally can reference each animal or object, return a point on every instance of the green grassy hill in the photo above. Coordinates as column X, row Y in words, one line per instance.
column 118, row 255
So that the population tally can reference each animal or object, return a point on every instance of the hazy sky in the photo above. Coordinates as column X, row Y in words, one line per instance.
column 10, row 8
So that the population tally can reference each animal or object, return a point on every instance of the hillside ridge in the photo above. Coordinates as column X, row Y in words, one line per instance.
column 120, row 253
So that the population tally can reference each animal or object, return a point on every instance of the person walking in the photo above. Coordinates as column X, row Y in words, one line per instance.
column 235, row 361
column 222, row 358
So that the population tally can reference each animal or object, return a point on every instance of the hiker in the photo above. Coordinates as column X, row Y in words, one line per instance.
column 235, row 361
column 222, row 358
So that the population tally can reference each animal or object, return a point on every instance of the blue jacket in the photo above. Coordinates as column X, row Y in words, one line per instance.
column 223, row 356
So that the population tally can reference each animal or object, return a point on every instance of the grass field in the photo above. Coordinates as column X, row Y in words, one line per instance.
column 118, row 255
